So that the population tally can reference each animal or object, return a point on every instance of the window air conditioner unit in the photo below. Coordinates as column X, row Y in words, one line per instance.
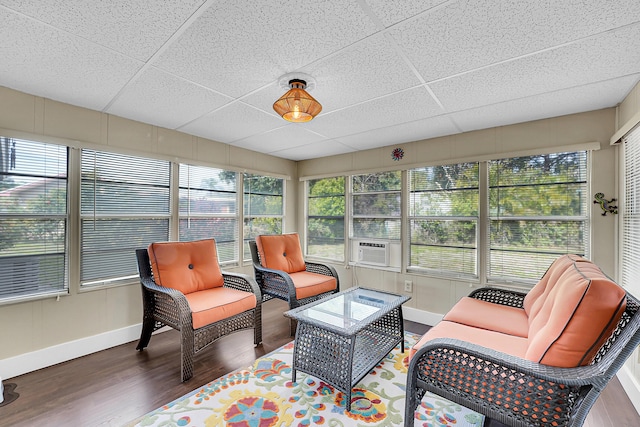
column 373, row 253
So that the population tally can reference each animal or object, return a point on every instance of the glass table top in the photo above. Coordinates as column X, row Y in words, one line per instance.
column 348, row 309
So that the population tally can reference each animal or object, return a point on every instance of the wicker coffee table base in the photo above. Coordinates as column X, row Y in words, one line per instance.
column 343, row 360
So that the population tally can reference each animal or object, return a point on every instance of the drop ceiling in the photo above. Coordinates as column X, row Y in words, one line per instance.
column 386, row 71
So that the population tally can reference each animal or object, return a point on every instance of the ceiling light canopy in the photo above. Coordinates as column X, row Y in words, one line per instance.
column 297, row 105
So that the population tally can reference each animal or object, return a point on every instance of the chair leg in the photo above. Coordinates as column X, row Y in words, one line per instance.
column 257, row 326
column 147, row 328
column 188, row 354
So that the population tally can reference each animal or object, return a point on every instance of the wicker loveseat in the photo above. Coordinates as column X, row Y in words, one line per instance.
column 535, row 359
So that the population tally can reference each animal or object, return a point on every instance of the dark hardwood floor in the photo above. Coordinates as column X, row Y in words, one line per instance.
column 118, row 385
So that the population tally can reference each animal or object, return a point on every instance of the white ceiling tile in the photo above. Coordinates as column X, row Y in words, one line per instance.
column 137, row 28
column 590, row 97
column 232, row 122
column 164, row 100
column 468, row 34
column 414, row 131
column 40, row 60
column 311, row 151
column 365, row 71
column 393, row 11
column 401, row 107
column 290, row 135
column 236, row 47
column 618, row 54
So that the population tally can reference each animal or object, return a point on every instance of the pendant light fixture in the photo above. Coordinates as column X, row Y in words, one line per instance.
column 297, row 105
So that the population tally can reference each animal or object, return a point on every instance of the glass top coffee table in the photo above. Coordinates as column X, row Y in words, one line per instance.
column 341, row 338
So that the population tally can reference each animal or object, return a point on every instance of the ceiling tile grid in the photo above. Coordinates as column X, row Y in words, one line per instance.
column 617, row 53
column 43, row 61
column 551, row 104
column 136, row 28
column 162, row 99
column 235, row 121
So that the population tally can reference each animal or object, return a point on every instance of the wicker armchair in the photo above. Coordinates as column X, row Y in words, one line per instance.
column 277, row 283
column 170, row 307
column 515, row 391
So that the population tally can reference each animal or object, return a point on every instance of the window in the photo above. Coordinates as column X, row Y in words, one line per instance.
column 209, row 208
column 443, row 218
column 33, row 219
column 124, row 206
column 376, row 205
column 630, row 277
column 537, row 211
column 263, row 207
column 325, row 218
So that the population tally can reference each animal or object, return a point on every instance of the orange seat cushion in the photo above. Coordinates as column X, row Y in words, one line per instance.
column 212, row 305
column 310, row 284
column 281, row 252
column 186, row 266
column 576, row 317
column 516, row 346
column 490, row 316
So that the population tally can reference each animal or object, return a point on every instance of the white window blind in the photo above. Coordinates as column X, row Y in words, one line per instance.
column 33, row 219
column 209, row 208
column 631, row 213
column 263, row 207
column 124, row 206
column 537, row 211
column 443, row 218
column 325, row 218
column 376, row 205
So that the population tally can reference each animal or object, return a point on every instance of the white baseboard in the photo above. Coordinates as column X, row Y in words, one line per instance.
column 29, row 362
column 631, row 386
column 421, row 316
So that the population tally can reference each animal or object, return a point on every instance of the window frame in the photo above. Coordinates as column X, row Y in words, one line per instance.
column 190, row 215
column 343, row 194
column 42, row 175
column 134, row 240
column 248, row 216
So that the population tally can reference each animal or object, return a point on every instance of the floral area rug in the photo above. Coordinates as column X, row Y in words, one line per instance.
column 264, row 396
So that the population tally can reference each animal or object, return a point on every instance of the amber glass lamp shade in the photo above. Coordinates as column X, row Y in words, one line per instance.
column 297, row 105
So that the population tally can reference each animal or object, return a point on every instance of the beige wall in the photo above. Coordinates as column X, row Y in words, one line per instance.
column 437, row 295
column 40, row 324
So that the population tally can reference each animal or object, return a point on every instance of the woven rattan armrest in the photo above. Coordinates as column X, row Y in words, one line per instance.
column 242, row 282
column 514, row 391
column 275, row 282
column 176, row 312
column 499, row 296
column 324, row 269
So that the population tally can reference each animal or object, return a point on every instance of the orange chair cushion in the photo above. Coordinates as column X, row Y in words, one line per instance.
column 310, row 284
column 536, row 296
column 212, row 305
column 281, row 252
column 186, row 266
column 576, row 317
column 516, row 346
column 490, row 316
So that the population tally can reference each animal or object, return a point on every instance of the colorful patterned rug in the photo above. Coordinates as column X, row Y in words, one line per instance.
column 264, row 396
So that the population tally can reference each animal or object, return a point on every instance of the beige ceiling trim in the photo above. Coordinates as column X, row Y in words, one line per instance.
column 617, row 137
column 586, row 146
